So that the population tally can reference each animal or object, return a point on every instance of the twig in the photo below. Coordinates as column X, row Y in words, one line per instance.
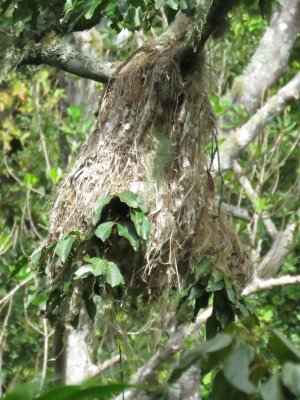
column 45, row 358
column 5, row 322
column 9, row 295
column 38, row 122
column 252, row 195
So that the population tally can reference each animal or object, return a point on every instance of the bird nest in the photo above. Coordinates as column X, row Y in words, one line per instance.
column 149, row 138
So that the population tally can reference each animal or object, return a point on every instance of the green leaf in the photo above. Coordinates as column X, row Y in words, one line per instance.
column 133, row 20
column 63, row 247
column 282, row 348
column 173, row 4
column 203, row 267
column 36, row 255
column 127, row 230
column 113, row 275
column 89, row 305
column 216, row 344
column 101, row 392
column 216, row 282
column 22, row 13
column 265, row 7
column 222, row 390
column 83, row 272
column 291, row 377
column 103, row 231
column 19, row 392
column 54, row 299
column 132, row 201
column 21, row 263
column 272, row 389
column 30, row 180
column 141, row 223
column 97, row 266
column 100, row 204
column 236, row 368
column 91, row 10
column 212, row 326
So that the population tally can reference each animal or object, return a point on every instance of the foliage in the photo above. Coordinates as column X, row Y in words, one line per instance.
column 255, row 363
column 121, row 215
column 133, row 15
column 93, row 392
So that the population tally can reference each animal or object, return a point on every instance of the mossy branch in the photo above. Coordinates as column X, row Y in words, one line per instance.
column 64, row 57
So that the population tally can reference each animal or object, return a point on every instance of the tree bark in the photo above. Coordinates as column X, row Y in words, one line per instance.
column 188, row 385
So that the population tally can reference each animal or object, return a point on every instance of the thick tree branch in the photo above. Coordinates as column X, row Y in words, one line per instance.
column 273, row 260
column 259, row 285
column 235, row 211
column 62, row 56
column 270, row 59
column 238, row 140
column 187, row 386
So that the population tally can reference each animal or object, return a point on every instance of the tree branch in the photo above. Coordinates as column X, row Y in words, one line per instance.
column 273, row 260
column 15, row 289
column 238, row 140
column 62, row 56
column 259, row 285
column 270, row 59
column 235, row 211
column 98, row 369
column 147, row 372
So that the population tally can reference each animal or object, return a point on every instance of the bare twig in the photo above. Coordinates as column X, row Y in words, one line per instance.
column 97, row 369
column 45, row 356
column 252, row 195
column 5, row 322
column 9, row 295
column 38, row 123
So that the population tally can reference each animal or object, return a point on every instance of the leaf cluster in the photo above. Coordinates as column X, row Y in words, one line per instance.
column 120, row 215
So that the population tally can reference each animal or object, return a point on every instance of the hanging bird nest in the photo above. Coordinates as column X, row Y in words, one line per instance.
column 149, row 138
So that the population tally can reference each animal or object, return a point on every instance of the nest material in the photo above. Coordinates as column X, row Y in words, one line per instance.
column 149, row 138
